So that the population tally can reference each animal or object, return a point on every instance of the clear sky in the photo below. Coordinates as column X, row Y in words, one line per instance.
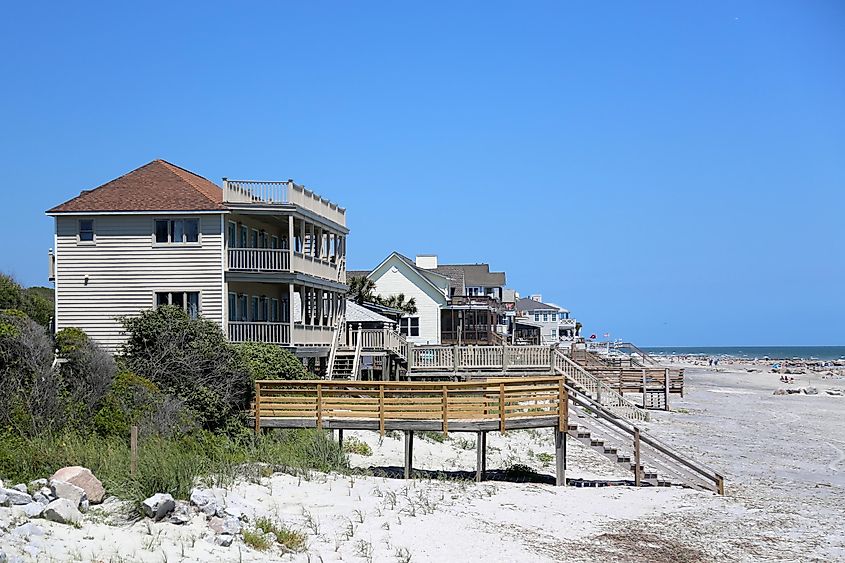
column 672, row 172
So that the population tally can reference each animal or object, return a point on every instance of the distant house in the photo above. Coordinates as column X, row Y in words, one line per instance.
column 553, row 322
column 456, row 303
column 263, row 260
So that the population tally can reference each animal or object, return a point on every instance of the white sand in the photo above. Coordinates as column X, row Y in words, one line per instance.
column 783, row 457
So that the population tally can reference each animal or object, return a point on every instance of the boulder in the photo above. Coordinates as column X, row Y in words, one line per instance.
column 225, row 525
column 21, row 487
column 3, row 558
column 812, row 391
column 181, row 514
column 14, row 496
column 69, row 491
column 84, row 479
column 62, row 511
column 41, row 498
column 224, row 540
column 33, row 509
column 158, row 506
column 207, row 502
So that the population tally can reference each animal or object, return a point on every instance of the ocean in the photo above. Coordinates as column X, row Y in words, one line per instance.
column 771, row 352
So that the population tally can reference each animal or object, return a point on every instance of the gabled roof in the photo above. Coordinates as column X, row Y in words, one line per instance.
column 156, row 186
column 476, row 275
column 357, row 314
column 526, row 304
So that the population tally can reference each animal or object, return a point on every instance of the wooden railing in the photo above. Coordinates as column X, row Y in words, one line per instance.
column 596, row 389
column 481, row 358
column 312, row 335
column 259, row 259
column 497, row 403
column 276, row 193
column 377, row 339
column 640, row 379
column 319, row 267
column 272, row 333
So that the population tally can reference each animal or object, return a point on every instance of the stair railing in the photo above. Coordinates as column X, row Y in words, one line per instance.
column 597, row 389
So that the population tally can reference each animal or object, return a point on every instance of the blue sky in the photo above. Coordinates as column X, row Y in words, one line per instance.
column 672, row 172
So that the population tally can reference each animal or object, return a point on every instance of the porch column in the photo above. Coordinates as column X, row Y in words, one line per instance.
column 302, row 236
column 290, row 303
column 409, row 453
column 560, row 457
column 290, row 234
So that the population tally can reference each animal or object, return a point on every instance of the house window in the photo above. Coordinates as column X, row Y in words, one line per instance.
column 233, row 235
column 176, row 231
column 253, row 239
column 409, row 326
column 233, row 307
column 536, row 317
column 265, row 309
column 255, row 309
column 553, row 317
column 188, row 301
column 86, row 230
column 244, row 232
column 545, row 317
column 265, row 240
column 274, row 310
column 242, row 307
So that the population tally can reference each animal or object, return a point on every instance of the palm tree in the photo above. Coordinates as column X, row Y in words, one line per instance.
column 398, row 302
column 361, row 289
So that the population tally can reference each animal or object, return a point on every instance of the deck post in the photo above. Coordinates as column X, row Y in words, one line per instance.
column 560, row 457
column 340, row 438
column 480, row 455
column 644, row 391
column 257, row 408
column 409, row 452
column 637, row 472
column 666, row 389
column 504, row 358
column 409, row 360
column 455, row 358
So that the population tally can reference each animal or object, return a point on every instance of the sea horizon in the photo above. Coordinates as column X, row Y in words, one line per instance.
column 771, row 352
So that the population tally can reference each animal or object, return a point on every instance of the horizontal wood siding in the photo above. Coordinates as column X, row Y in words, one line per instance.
column 398, row 279
column 125, row 269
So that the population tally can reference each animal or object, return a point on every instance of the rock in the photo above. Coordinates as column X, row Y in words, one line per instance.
column 271, row 538
column 83, row 505
column 225, row 525
column 41, row 499
column 4, row 500
column 62, row 511
column 33, row 509
column 812, row 391
column 14, row 496
column 84, row 479
column 65, row 490
column 206, row 501
column 181, row 514
column 26, row 530
column 224, row 540
column 779, row 392
column 3, row 558
column 158, row 506
column 21, row 487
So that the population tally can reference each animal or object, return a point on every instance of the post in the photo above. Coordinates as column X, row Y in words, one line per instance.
column 501, row 407
column 410, row 359
column 257, row 407
column 636, row 456
column 480, row 455
column 340, row 438
column 644, row 391
column 381, row 409
column 455, row 360
column 666, row 389
column 504, row 357
column 445, row 408
column 409, row 452
column 133, row 451
column 560, row 458
column 319, row 407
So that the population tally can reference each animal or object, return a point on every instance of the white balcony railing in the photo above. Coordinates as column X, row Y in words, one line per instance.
column 269, row 332
column 259, row 259
column 281, row 193
column 566, row 323
column 308, row 335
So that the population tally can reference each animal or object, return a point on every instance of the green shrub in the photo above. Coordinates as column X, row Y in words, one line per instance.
column 38, row 304
column 268, row 361
column 190, row 360
column 11, row 293
column 438, row 437
column 130, row 399
column 286, row 537
column 70, row 340
column 256, row 540
column 353, row 445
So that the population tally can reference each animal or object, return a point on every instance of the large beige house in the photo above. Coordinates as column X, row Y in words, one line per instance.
column 264, row 260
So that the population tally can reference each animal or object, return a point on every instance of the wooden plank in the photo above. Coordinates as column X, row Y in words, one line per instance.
column 445, row 409
column 636, row 456
column 257, row 407
column 501, row 407
column 381, row 409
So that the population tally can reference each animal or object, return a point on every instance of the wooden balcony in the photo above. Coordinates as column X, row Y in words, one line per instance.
column 261, row 193
column 308, row 335
column 269, row 332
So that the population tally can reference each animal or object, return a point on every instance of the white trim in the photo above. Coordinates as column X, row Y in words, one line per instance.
column 55, row 276
column 160, row 212
column 93, row 241
column 223, row 257
column 170, row 244
column 180, row 290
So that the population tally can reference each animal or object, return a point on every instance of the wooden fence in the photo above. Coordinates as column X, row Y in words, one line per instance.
column 495, row 404
column 481, row 358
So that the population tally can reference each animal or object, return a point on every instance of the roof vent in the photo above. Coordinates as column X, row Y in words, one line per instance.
column 537, row 297
column 427, row 261
column 83, row 192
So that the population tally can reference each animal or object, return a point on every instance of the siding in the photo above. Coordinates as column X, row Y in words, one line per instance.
column 394, row 278
column 124, row 271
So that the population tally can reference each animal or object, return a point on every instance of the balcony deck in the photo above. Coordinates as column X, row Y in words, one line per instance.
column 286, row 193
column 279, row 333
column 264, row 260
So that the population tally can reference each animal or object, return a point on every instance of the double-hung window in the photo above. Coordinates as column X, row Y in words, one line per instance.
column 409, row 326
column 536, row 317
column 274, row 242
column 86, row 231
column 188, row 301
column 177, row 231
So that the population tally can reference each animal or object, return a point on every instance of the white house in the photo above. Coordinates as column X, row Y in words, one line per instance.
column 553, row 322
column 455, row 302
column 264, row 260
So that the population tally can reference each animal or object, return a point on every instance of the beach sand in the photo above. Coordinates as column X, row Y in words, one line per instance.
column 782, row 457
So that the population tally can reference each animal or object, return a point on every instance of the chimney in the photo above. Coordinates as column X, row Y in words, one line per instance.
column 537, row 297
column 427, row 261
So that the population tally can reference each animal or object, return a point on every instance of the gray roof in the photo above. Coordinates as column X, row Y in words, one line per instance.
column 526, row 304
column 357, row 314
column 357, row 274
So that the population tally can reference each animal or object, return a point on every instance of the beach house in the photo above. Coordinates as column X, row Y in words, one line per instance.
column 456, row 303
column 552, row 322
column 263, row 260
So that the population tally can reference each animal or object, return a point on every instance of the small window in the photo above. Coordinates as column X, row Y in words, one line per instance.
column 176, row 231
column 536, row 317
column 409, row 326
column 265, row 309
column 86, row 230
column 188, row 301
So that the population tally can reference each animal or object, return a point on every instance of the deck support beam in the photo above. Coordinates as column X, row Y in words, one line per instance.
column 409, row 453
column 480, row 456
column 340, row 438
column 560, row 457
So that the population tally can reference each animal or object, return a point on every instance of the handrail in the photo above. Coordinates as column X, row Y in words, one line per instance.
column 598, row 389
column 584, row 400
column 496, row 402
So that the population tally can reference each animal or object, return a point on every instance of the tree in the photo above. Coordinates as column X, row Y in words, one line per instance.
column 11, row 294
column 361, row 289
column 36, row 302
column 398, row 302
column 268, row 361
column 189, row 359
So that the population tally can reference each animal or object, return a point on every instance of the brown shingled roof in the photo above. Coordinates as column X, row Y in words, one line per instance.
column 156, row 186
